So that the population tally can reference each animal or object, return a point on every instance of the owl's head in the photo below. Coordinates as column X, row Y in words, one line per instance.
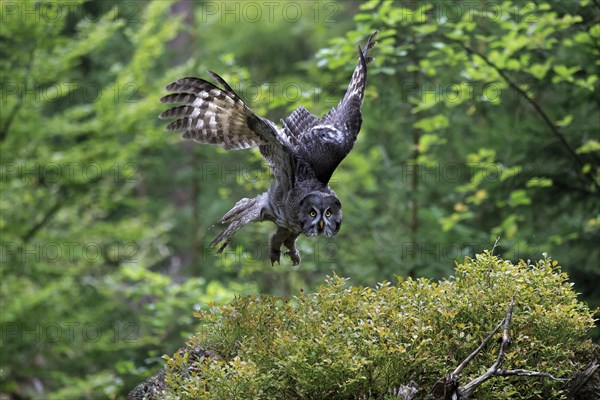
column 320, row 214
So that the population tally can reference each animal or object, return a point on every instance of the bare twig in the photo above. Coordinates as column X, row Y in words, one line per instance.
column 471, row 356
column 495, row 244
column 469, row 388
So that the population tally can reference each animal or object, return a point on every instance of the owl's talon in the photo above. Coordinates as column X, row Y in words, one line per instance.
column 275, row 257
column 294, row 256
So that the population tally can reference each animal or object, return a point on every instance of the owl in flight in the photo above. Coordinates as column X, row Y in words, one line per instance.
column 302, row 155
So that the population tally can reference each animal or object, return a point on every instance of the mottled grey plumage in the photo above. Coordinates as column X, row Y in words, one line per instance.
column 302, row 156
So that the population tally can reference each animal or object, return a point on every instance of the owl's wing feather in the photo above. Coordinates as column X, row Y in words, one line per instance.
column 349, row 106
column 330, row 139
column 298, row 123
column 214, row 115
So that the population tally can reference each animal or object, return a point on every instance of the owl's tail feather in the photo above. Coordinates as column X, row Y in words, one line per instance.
column 244, row 212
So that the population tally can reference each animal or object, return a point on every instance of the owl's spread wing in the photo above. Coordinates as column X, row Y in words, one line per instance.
column 326, row 141
column 214, row 115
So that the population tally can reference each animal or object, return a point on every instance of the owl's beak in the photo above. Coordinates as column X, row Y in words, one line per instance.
column 321, row 224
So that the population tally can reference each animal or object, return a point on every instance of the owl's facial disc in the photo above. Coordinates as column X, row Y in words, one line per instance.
column 320, row 214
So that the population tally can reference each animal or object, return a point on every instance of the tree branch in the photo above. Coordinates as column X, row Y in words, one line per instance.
column 526, row 372
column 31, row 232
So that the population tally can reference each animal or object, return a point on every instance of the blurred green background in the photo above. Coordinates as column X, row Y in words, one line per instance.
column 481, row 121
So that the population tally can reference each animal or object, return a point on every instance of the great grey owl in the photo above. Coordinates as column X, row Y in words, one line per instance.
column 302, row 156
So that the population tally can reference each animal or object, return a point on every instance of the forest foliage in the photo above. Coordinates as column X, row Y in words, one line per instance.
column 480, row 122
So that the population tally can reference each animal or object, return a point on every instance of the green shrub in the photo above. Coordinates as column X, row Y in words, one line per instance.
column 359, row 342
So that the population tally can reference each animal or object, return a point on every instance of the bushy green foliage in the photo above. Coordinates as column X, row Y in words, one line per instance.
column 360, row 342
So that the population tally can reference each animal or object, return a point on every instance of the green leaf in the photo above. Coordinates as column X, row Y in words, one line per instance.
column 589, row 146
column 538, row 70
column 425, row 29
column 566, row 121
column 539, row 182
column 513, row 64
column 518, row 198
column 427, row 141
column 595, row 31
column 564, row 73
column 431, row 124
column 368, row 5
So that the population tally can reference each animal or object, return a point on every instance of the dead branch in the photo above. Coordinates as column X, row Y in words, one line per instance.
column 471, row 356
column 448, row 388
column 526, row 372
column 465, row 391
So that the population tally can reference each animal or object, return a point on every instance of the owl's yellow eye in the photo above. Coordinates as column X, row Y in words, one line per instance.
column 328, row 214
column 313, row 213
